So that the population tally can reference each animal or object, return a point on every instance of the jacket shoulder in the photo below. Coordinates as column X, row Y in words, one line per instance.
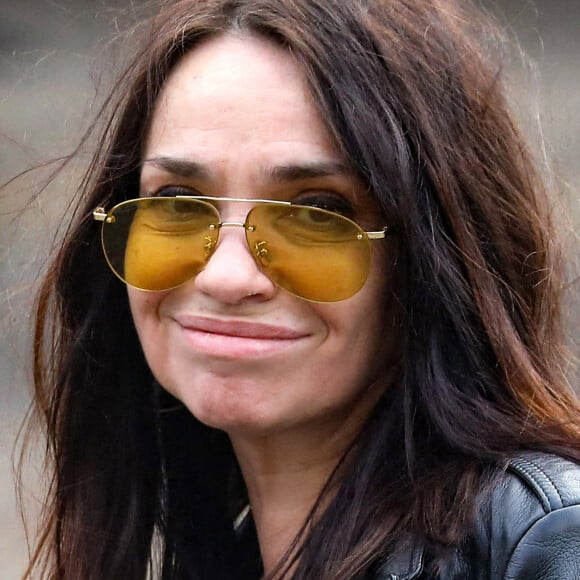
column 533, row 519
column 527, row 527
column 554, row 481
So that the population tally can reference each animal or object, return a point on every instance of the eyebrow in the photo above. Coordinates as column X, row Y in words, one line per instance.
column 309, row 170
column 188, row 169
column 180, row 167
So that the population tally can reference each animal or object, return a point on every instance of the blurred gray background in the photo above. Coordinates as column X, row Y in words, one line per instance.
column 54, row 55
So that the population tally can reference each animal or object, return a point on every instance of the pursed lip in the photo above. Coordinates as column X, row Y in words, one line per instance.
column 236, row 338
column 238, row 328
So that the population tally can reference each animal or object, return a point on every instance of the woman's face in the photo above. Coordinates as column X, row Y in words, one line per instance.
column 235, row 119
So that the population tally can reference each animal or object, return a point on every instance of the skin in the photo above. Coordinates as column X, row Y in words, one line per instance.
column 237, row 107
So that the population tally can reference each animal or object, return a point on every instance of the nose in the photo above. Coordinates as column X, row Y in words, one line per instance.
column 231, row 275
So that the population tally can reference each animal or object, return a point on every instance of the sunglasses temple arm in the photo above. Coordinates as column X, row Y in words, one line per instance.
column 377, row 235
column 100, row 215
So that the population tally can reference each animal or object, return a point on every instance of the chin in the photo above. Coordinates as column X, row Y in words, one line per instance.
column 246, row 424
column 229, row 412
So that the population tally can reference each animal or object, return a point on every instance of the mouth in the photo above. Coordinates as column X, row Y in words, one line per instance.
column 236, row 338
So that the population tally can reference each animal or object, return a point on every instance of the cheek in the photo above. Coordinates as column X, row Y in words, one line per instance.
column 354, row 327
column 368, row 324
column 154, row 335
column 145, row 311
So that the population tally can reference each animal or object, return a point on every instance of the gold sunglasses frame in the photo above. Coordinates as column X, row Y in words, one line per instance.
column 100, row 214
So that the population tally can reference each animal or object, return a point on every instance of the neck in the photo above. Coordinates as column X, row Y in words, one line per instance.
column 284, row 476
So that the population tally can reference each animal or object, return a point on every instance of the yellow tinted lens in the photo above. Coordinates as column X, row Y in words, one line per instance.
column 313, row 253
column 159, row 243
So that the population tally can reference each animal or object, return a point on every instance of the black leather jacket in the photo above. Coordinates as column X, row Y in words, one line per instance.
column 530, row 530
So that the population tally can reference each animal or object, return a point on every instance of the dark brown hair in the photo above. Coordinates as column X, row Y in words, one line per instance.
column 415, row 101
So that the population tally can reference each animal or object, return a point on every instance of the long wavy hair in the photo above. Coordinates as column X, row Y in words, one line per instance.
column 411, row 90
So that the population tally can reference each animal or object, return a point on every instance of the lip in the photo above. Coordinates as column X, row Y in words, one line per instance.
column 236, row 338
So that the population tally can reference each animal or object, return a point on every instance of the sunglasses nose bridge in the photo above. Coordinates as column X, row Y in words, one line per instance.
column 228, row 224
column 244, row 225
column 232, row 224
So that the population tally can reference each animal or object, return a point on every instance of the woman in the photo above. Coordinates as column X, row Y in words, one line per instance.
column 337, row 352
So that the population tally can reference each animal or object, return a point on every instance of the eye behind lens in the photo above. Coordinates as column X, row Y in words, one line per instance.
column 312, row 253
column 159, row 243
column 306, row 225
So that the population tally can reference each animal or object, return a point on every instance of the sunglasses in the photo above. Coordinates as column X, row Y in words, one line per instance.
column 158, row 243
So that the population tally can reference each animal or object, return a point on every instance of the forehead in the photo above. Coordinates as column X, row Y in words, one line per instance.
column 242, row 94
column 244, row 63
